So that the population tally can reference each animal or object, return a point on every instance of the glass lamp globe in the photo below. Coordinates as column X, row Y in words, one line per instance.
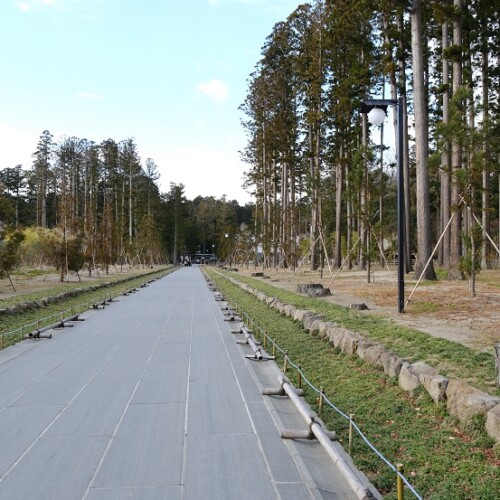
column 376, row 116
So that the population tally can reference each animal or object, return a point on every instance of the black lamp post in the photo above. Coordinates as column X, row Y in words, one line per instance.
column 376, row 109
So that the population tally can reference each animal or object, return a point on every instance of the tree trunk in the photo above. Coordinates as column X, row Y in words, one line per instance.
column 455, row 272
column 424, row 246
column 445, row 202
column 339, row 181
column 485, row 195
column 363, row 194
column 406, row 149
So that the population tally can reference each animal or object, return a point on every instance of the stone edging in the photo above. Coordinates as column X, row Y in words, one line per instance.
column 462, row 400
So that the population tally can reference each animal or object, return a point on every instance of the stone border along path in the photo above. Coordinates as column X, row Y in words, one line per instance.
column 462, row 400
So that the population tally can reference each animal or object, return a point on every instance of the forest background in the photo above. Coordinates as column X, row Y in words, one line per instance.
column 318, row 171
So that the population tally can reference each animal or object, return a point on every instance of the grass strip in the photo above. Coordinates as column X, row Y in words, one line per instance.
column 441, row 459
column 450, row 358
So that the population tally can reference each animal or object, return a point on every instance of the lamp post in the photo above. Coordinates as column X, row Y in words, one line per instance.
column 376, row 109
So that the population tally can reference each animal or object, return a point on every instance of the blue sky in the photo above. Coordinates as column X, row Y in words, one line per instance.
column 169, row 73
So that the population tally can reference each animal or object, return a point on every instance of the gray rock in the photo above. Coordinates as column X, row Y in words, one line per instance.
column 280, row 307
column 435, row 385
column 337, row 336
column 465, row 401
column 275, row 304
column 493, row 423
column 309, row 319
column 410, row 374
column 290, row 310
column 363, row 345
column 314, row 329
column 330, row 333
column 299, row 315
column 391, row 363
column 372, row 354
column 349, row 342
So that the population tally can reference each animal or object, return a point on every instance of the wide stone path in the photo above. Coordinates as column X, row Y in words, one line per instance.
column 150, row 398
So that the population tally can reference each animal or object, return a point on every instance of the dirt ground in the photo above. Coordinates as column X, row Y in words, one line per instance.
column 443, row 308
column 26, row 284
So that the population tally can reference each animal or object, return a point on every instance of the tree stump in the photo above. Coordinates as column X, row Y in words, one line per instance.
column 359, row 307
column 313, row 289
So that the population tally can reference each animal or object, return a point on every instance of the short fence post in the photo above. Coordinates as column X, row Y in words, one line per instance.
column 265, row 340
column 274, row 347
column 285, row 365
column 350, row 433
column 399, row 482
column 300, row 377
column 320, row 401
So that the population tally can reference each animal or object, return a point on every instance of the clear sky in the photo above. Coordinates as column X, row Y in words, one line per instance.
column 169, row 73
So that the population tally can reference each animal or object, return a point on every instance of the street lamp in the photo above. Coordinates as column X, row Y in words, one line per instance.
column 376, row 109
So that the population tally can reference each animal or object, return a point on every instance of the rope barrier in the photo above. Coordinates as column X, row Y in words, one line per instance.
column 397, row 469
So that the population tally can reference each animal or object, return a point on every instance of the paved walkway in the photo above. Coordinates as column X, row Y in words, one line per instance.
column 151, row 398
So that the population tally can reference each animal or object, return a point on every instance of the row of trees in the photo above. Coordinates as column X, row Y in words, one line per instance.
column 312, row 162
column 97, row 205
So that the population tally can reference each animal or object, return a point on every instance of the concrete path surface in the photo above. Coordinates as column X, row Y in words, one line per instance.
column 151, row 398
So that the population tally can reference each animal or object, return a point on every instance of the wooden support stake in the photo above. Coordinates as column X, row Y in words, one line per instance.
column 320, row 401
column 497, row 363
column 300, row 377
column 285, row 364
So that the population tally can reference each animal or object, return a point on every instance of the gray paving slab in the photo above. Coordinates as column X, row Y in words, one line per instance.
column 171, row 353
column 213, row 366
column 147, row 449
column 20, row 427
column 226, row 466
column 217, row 411
column 54, row 469
column 293, row 491
column 150, row 398
column 95, row 412
column 60, row 385
column 163, row 384
column 169, row 493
